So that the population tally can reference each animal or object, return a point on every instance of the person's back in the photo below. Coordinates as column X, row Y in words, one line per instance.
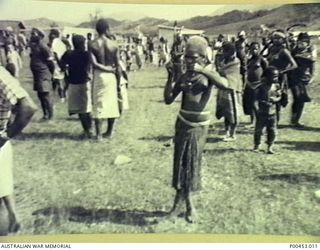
column 79, row 65
column 104, row 50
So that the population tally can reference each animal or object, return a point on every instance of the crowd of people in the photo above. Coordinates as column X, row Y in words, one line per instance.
column 92, row 75
column 248, row 81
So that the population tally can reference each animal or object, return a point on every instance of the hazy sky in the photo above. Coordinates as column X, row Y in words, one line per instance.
column 79, row 12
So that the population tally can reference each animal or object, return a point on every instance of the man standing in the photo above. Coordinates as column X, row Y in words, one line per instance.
column 241, row 49
column 58, row 48
column 42, row 67
column 177, row 52
column 107, row 74
column 12, row 95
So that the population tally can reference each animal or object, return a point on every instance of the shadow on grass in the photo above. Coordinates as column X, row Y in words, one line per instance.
column 213, row 139
column 219, row 151
column 292, row 178
column 148, row 87
column 83, row 215
column 303, row 128
column 48, row 135
column 313, row 146
column 160, row 138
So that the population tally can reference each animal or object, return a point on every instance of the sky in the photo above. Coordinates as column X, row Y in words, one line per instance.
column 79, row 12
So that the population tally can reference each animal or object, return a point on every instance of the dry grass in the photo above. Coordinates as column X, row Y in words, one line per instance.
column 64, row 185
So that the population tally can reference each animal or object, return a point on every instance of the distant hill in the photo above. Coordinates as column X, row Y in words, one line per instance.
column 44, row 22
column 236, row 20
column 244, row 7
column 228, row 23
column 280, row 17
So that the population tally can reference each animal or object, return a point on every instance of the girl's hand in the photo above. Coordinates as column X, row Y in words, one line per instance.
column 197, row 67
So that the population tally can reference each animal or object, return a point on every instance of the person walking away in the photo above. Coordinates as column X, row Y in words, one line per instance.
column 107, row 74
column 77, row 65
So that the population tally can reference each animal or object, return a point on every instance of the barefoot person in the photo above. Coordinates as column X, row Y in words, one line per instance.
column 77, row 64
column 305, row 55
column 192, row 123
column 12, row 95
column 106, row 81
column 268, row 95
column 255, row 67
column 280, row 57
column 229, row 101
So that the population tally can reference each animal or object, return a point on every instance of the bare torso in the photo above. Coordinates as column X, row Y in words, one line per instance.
column 105, row 51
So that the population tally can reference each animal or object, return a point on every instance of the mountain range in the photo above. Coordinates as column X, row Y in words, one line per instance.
column 226, row 23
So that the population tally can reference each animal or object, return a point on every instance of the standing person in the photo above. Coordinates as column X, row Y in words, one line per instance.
column 58, row 48
column 88, row 40
column 22, row 43
column 12, row 95
column 139, row 53
column 163, row 52
column 229, row 101
column 107, row 75
column 269, row 94
column 305, row 55
column 77, row 64
column 42, row 67
column 14, row 62
column 177, row 53
column 217, row 49
column 128, row 54
column 280, row 57
column 241, row 49
column 192, row 123
column 150, row 46
column 255, row 67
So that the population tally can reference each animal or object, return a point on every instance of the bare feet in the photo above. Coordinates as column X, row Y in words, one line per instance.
column 14, row 225
column 107, row 135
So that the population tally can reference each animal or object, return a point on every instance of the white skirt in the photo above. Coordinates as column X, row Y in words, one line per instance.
column 105, row 95
column 6, row 168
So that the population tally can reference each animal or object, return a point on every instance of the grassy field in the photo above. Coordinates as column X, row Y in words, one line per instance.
column 66, row 186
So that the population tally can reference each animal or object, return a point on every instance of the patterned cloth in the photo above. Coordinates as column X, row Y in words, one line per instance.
column 189, row 143
column 10, row 92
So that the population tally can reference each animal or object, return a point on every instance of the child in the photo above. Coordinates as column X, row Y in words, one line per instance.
column 269, row 94
column 77, row 63
column 255, row 67
column 14, row 63
column 228, row 101
column 192, row 123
